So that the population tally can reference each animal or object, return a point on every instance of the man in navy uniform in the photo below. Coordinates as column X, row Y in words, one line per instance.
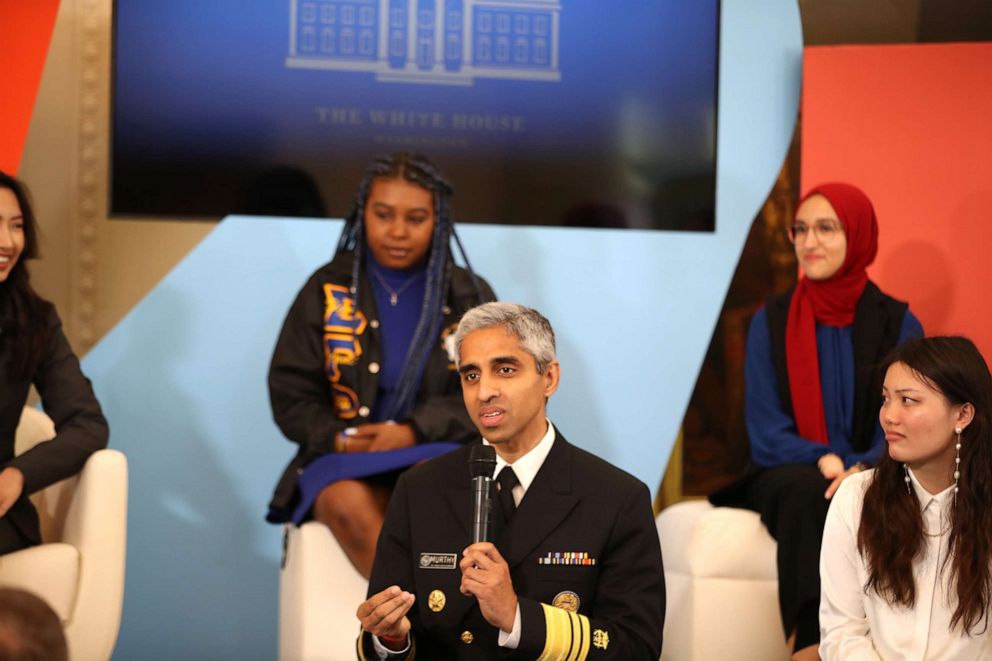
column 575, row 571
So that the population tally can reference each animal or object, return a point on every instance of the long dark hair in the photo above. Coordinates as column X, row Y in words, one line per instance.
column 22, row 311
column 416, row 169
column 891, row 534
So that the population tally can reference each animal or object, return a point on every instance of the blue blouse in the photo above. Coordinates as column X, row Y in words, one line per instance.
column 397, row 324
column 775, row 441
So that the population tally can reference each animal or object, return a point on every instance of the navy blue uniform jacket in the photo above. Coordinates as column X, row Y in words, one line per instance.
column 577, row 504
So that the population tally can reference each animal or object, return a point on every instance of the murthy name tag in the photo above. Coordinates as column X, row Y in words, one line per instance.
column 438, row 560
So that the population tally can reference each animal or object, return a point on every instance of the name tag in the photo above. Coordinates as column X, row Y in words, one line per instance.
column 438, row 560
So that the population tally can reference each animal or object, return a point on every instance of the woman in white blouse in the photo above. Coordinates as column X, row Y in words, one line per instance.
column 906, row 561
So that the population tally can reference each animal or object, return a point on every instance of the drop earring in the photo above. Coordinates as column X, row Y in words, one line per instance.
column 957, row 459
column 909, row 489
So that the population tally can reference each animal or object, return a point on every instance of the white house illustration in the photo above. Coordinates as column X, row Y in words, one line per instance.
column 427, row 41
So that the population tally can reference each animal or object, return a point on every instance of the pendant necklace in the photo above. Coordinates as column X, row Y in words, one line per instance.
column 394, row 294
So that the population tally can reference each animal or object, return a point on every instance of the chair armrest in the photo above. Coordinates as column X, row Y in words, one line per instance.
column 96, row 524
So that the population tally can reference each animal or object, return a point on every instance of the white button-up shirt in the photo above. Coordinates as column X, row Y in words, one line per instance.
column 855, row 625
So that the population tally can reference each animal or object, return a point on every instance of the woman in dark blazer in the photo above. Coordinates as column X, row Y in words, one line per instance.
column 812, row 391
column 34, row 350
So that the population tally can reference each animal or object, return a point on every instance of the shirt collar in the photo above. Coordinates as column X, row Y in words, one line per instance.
column 924, row 496
column 527, row 466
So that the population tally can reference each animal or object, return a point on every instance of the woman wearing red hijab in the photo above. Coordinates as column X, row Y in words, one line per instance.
column 812, row 391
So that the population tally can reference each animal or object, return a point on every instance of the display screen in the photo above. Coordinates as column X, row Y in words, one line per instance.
column 539, row 112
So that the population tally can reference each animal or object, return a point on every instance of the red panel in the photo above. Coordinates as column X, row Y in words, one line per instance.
column 27, row 30
column 912, row 126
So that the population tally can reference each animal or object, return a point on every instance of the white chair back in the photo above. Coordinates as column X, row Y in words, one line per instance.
column 52, row 502
column 80, row 566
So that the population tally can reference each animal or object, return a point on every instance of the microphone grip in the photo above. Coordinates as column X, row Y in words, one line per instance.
column 482, row 507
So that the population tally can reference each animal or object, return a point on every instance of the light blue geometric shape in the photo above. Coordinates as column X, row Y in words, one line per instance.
column 182, row 377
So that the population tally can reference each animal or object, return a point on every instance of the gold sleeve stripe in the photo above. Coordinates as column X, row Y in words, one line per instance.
column 582, row 637
column 567, row 635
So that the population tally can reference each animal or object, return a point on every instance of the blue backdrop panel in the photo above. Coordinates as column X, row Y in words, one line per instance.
column 182, row 377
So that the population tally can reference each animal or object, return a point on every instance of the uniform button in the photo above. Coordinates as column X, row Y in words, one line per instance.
column 374, row 323
column 467, row 637
column 374, row 368
column 363, row 411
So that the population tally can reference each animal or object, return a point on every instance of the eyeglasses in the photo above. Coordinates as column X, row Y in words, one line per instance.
column 824, row 230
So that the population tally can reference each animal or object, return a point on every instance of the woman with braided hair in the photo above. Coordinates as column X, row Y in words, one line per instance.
column 361, row 378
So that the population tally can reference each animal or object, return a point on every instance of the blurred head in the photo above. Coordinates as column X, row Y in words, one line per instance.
column 818, row 238
column 29, row 629
column 506, row 358
column 399, row 221
column 401, row 211
column 835, row 232
column 933, row 386
column 18, row 230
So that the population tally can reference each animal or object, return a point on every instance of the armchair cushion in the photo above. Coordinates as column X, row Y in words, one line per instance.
column 721, row 575
column 717, row 542
column 50, row 571
column 79, row 567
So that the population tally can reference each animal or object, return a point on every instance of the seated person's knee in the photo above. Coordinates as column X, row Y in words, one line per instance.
column 349, row 508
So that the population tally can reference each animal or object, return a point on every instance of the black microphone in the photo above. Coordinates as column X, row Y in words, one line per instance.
column 482, row 464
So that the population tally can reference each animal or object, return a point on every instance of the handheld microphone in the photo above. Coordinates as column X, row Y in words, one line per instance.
column 482, row 464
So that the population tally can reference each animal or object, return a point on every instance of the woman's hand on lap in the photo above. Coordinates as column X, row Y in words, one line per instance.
column 378, row 437
column 832, row 489
column 831, row 466
column 11, row 486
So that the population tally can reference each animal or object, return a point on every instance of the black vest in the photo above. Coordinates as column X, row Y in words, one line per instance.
column 877, row 323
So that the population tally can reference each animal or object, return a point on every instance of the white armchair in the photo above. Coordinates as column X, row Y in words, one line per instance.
column 319, row 592
column 79, row 567
column 722, row 585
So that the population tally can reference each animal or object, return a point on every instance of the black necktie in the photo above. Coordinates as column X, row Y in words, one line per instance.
column 506, row 480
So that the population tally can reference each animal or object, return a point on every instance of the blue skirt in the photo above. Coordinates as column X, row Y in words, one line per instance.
column 352, row 465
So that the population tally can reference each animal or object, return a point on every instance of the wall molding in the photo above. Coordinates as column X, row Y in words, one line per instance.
column 93, row 34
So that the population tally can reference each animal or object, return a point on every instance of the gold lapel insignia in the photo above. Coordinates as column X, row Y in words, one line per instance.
column 436, row 601
column 567, row 600
column 467, row 637
column 600, row 639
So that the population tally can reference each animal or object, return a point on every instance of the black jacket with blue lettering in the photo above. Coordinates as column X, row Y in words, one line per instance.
column 311, row 410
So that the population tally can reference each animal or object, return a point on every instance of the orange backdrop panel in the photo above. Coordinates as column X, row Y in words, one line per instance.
column 27, row 30
column 912, row 126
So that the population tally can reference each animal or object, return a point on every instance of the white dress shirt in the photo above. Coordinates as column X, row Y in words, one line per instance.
column 526, row 469
column 527, row 466
column 855, row 625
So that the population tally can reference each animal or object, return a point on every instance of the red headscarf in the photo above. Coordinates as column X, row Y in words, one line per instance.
column 831, row 302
